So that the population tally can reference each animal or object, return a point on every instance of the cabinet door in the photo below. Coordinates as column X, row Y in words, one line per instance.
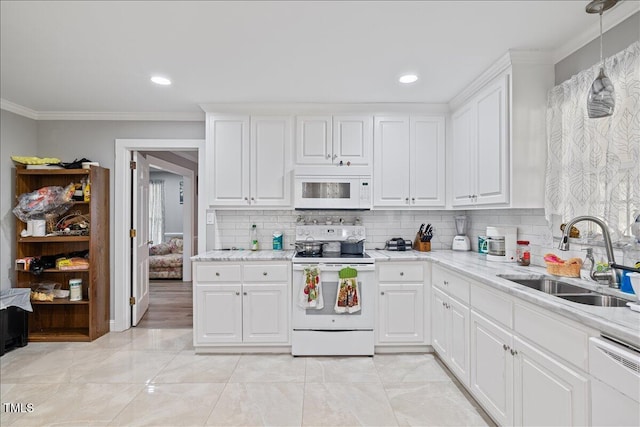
column 462, row 164
column 270, row 161
column 491, row 151
column 547, row 393
column 391, row 147
column 427, row 161
column 401, row 313
column 458, row 332
column 439, row 312
column 227, row 153
column 352, row 139
column 314, row 140
column 217, row 314
column 491, row 378
column 265, row 313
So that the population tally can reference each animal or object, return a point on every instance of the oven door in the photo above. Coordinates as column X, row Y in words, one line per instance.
column 338, row 192
column 327, row 318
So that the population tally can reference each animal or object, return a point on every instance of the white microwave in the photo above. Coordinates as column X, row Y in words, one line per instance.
column 332, row 192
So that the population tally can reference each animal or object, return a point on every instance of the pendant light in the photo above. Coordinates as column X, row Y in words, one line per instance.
column 601, row 100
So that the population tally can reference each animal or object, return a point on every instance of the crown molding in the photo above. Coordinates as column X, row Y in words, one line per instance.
column 611, row 18
column 18, row 109
column 294, row 108
column 197, row 116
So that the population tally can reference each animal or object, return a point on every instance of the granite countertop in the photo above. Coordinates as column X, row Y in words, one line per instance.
column 241, row 255
column 618, row 322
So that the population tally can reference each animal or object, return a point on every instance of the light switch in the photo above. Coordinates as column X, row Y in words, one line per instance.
column 210, row 218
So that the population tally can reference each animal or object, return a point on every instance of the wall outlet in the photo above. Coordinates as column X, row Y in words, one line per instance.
column 211, row 217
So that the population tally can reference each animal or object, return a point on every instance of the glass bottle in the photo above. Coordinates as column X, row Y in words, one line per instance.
column 254, row 238
column 523, row 253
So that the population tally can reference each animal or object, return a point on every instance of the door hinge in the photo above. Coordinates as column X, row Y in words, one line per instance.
column 132, row 300
column 132, row 164
column 132, row 233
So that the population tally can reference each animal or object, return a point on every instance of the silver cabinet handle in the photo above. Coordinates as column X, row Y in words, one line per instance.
column 402, row 273
column 444, row 304
column 217, row 273
column 252, row 199
column 514, row 352
column 237, row 293
column 382, row 293
column 244, row 293
column 406, row 199
column 505, row 347
column 413, row 200
column 335, row 156
column 264, row 273
column 328, row 156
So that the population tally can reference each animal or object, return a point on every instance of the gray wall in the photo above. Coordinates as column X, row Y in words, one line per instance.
column 615, row 40
column 18, row 137
column 172, row 207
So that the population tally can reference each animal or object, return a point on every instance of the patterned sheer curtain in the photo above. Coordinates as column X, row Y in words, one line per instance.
column 156, row 211
column 593, row 164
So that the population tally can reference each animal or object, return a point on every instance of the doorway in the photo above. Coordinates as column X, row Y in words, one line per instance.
column 160, row 152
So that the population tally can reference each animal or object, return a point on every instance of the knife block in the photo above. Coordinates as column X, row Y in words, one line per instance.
column 421, row 246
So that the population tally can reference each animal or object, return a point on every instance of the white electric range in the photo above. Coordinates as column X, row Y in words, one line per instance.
column 331, row 330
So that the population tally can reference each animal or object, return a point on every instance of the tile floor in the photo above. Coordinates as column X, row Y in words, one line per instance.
column 152, row 377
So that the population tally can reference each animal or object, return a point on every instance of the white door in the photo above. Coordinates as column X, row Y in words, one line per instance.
column 427, row 161
column 313, row 140
column 491, row 152
column 140, row 252
column 547, row 393
column 391, row 161
column 352, row 139
column 458, row 332
column 491, row 378
column 228, row 160
column 219, row 313
column 401, row 313
column 265, row 313
column 462, row 163
column 270, row 161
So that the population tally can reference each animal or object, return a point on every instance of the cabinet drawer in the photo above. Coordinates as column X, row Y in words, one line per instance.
column 216, row 273
column 451, row 283
column 493, row 305
column 554, row 334
column 266, row 273
column 410, row 272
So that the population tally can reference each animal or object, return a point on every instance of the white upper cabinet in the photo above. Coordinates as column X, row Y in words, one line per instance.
column 249, row 160
column 334, row 140
column 409, row 161
column 498, row 139
column 480, row 167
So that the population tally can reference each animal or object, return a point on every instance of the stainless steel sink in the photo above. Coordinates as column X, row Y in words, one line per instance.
column 596, row 299
column 549, row 286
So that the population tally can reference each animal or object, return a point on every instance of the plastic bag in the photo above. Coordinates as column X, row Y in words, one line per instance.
column 46, row 200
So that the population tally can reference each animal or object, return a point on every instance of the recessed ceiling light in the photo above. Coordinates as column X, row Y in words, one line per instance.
column 161, row 80
column 408, row 78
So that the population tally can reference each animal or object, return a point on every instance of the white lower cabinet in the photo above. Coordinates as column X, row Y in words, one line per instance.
column 401, row 302
column 518, row 383
column 254, row 309
column 450, row 322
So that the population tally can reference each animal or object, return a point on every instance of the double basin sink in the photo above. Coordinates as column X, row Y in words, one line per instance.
column 567, row 291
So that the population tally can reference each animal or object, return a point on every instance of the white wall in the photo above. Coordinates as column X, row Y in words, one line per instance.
column 18, row 137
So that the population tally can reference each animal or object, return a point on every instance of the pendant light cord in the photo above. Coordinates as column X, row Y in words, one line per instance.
column 601, row 58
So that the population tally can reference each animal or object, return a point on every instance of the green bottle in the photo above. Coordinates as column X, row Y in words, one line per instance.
column 254, row 238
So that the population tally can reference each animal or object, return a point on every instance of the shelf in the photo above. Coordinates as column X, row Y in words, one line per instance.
column 60, row 301
column 25, row 171
column 60, row 335
column 54, row 239
column 55, row 270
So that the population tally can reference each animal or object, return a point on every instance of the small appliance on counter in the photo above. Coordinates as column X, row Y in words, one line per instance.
column 461, row 241
column 398, row 244
column 501, row 244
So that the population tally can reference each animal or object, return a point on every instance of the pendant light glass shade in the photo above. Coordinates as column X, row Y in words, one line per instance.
column 602, row 96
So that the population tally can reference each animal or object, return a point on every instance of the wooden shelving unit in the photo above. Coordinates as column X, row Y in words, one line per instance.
column 61, row 319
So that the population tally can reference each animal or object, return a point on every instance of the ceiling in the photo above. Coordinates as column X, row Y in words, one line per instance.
column 97, row 57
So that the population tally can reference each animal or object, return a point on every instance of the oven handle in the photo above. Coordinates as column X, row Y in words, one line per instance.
column 335, row 267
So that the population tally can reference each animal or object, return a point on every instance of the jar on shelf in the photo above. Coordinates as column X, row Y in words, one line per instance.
column 523, row 252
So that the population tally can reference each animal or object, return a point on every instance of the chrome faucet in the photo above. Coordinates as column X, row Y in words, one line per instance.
column 611, row 277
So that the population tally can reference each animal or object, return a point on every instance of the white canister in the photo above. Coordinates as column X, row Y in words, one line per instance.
column 75, row 290
column 39, row 227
